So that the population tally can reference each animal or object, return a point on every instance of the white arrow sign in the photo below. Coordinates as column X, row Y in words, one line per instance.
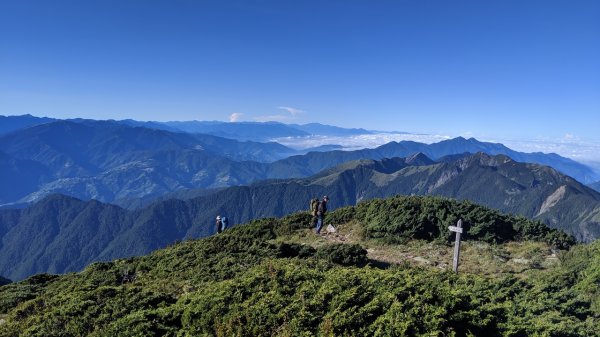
column 455, row 229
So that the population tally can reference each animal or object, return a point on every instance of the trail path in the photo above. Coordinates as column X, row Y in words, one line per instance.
column 476, row 257
column 382, row 254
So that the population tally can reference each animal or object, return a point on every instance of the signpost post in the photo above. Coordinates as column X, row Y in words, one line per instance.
column 458, row 230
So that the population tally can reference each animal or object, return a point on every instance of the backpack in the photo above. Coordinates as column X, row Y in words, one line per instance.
column 314, row 206
column 322, row 208
column 224, row 223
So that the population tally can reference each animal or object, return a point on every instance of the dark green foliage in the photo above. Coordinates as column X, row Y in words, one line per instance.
column 341, row 215
column 293, row 222
column 580, row 269
column 536, row 230
column 296, row 250
column 16, row 293
column 428, row 218
column 4, row 281
column 297, row 297
column 242, row 283
column 344, row 254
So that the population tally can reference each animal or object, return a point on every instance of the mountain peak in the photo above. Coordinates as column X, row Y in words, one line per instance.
column 489, row 160
column 58, row 198
column 419, row 159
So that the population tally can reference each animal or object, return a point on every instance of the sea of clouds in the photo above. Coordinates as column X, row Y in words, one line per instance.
column 357, row 142
column 584, row 151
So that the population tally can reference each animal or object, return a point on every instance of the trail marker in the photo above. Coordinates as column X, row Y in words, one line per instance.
column 458, row 230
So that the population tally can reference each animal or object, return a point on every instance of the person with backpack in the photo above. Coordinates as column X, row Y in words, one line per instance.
column 321, row 211
column 314, row 205
column 222, row 223
column 218, row 224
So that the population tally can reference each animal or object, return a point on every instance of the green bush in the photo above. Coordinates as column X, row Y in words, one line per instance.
column 344, row 254
column 428, row 218
column 295, row 250
column 13, row 294
column 341, row 215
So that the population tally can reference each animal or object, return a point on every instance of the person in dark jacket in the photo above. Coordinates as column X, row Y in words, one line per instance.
column 218, row 224
column 314, row 207
column 321, row 211
column 222, row 223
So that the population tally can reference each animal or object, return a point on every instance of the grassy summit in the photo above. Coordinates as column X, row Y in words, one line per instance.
column 274, row 277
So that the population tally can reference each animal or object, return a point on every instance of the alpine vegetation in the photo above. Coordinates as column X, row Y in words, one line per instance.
column 277, row 277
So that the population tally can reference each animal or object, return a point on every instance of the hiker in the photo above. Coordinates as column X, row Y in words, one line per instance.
column 222, row 223
column 314, row 205
column 321, row 210
column 218, row 224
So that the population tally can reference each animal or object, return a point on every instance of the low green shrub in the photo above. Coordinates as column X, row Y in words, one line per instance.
column 287, row 250
column 344, row 254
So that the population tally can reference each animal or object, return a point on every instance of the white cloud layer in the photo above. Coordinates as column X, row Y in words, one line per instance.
column 584, row 151
column 358, row 141
column 587, row 152
column 293, row 111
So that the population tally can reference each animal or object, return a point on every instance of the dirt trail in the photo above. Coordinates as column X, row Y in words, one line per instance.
column 514, row 258
column 382, row 254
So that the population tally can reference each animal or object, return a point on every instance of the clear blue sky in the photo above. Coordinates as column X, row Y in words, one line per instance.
column 521, row 68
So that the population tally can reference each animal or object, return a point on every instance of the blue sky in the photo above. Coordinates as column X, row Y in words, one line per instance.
column 489, row 69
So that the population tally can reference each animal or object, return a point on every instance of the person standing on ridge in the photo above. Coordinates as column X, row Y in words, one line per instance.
column 314, row 205
column 321, row 210
column 222, row 223
column 218, row 224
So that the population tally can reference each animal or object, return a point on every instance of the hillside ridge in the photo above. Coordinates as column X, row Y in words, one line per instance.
column 513, row 187
column 274, row 276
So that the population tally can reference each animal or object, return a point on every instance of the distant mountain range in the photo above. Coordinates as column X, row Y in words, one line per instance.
column 109, row 161
column 454, row 146
column 531, row 190
column 12, row 123
column 595, row 186
column 253, row 131
column 131, row 166
column 60, row 233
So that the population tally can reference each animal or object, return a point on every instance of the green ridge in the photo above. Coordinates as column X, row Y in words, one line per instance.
column 260, row 280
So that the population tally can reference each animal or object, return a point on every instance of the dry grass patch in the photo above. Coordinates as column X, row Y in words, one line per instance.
column 493, row 260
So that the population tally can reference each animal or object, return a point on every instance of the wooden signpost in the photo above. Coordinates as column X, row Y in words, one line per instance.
column 458, row 230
